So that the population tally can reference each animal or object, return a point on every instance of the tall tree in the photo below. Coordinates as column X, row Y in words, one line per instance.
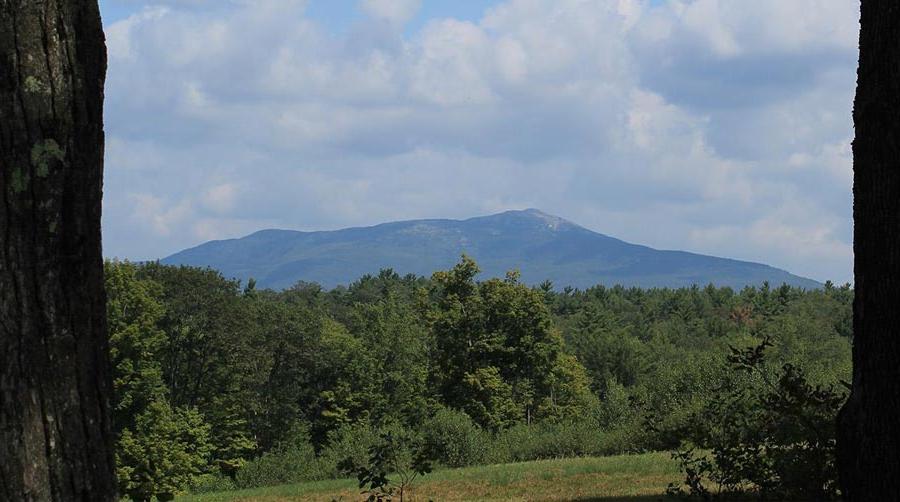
column 55, row 439
column 496, row 354
column 869, row 438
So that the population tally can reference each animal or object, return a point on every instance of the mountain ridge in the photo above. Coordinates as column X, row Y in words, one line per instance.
column 540, row 245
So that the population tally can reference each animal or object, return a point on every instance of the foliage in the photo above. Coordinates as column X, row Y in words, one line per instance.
column 213, row 482
column 568, row 391
column 133, row 313
column 401, row 455
column 206, row 353
column 291, row 461
column 545, row 440
column 351, row 441
column 615, row 408
column 481, row 371
column 455, row 440
column 166, row 451
column 160, row 451
column 489, row 398
column 497, row 355
column 395, row 340
column 774, row 434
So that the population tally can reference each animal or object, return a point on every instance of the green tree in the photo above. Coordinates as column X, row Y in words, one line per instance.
column 135, row 339
column 209, row 356
column 307, row 367
column 604, row 345
column 278, row 382
column 159, row 450
column 345, row 379
column 489, row 399
column 497, row 355
column 569, row 391
column 165, row 453
column 396, row 342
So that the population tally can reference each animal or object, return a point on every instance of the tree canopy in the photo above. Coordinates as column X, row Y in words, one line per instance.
column 218, row 378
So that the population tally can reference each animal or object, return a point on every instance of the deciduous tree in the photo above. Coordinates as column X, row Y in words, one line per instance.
column 55, row 437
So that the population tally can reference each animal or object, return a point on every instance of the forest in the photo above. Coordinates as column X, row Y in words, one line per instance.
column 220, row 385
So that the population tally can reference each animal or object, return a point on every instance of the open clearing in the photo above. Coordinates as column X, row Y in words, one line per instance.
column 631, row 478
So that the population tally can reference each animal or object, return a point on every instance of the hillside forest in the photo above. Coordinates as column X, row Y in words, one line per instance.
column 221, row 385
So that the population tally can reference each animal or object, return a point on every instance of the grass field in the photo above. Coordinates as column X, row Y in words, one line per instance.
column 624, row 478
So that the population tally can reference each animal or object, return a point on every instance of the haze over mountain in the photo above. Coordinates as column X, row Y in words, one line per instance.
column 541, row 246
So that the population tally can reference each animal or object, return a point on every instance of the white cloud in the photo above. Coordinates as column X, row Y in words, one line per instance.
column 396, row 12
column 714, row 126
column 220, row 198
column 118, row 36
column 159, row 215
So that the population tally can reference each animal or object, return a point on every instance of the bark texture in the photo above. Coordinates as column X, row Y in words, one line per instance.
column 869, row 424
column 55, row 441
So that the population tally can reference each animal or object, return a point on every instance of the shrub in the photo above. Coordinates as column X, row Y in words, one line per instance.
column 291, row 461
column 455, row 440
column 399, row 453
column 774, row 435
column 621, row 422
column 677, row 396
column 348, row 441
column 209, row 483
column 615, row 408
column 548, row 440
column 629, row 437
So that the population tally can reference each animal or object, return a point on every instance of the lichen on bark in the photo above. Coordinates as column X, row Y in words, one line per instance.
column 43, row 153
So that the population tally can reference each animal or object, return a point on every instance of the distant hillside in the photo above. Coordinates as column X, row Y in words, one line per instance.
column 541, row 246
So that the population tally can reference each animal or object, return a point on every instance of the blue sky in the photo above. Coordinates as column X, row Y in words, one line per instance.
column 713, row 126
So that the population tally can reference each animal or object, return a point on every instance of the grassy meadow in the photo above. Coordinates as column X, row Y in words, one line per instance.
column 633, row 478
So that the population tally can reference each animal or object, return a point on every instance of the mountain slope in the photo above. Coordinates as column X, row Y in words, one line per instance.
column 541, row 246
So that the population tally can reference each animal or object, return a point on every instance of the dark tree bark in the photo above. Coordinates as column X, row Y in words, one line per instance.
column 55, row 441
column 869, row 425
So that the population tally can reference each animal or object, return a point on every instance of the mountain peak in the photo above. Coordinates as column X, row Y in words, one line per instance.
column 554, row 222
column 531, row 214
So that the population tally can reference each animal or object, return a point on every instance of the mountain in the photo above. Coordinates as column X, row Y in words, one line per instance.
column 541, row 246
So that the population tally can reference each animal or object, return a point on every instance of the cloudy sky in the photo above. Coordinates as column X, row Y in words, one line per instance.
column 716, row 126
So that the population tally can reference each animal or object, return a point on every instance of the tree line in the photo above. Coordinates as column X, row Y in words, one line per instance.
column 219, row 384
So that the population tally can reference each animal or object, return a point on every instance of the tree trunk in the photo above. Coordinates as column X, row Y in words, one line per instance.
column 55, row 440
column 869, row 425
